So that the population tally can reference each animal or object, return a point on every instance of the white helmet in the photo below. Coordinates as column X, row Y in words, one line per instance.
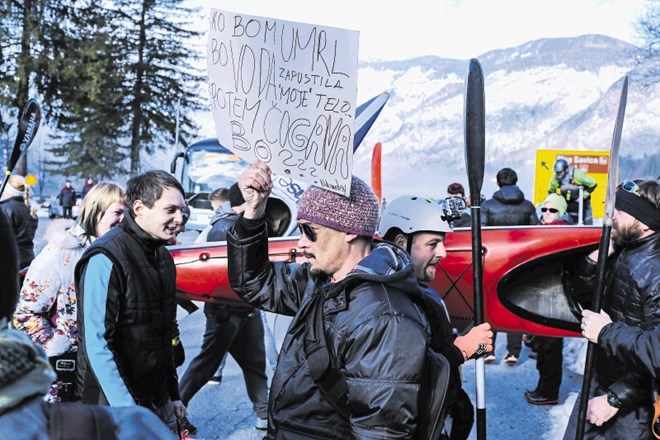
column 413, row 214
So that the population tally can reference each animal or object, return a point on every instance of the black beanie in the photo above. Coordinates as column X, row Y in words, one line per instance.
column 235, row 196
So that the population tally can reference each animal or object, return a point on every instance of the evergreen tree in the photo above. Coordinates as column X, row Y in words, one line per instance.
column 151, row 35
column 84, row 86
column 19, row 31
column 110, row 76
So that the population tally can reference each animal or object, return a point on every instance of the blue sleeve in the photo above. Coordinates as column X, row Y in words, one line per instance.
column 101, row 358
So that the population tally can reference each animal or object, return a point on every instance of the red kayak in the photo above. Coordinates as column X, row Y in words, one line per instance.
column 524, row 272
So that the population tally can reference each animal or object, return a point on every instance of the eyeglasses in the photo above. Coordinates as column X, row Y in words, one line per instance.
column 552, row 210
column 308, row 231
column 630, row 187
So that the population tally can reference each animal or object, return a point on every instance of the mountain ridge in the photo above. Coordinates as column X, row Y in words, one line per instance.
column 558, row 93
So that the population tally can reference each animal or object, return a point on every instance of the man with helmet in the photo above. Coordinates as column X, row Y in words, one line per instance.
column 419, row 226
column 568, row 180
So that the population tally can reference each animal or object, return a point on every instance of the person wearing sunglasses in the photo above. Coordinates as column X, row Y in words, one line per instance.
column 352, row 314
column 620, row 404
column 553, row 211
column 549, row 356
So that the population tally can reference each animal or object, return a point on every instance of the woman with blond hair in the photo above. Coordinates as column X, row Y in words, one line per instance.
column 47, row 305
column 549, row 350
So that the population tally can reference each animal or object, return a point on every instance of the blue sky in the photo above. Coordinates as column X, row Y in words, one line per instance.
column 460, row 29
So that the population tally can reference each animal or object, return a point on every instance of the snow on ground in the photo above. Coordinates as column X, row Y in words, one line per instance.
column 508, row 415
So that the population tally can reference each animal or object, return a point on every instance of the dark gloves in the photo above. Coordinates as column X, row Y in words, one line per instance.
column 178, row 353
column 570, row 191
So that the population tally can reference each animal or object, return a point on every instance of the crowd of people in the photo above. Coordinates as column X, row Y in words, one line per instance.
column 91, row 333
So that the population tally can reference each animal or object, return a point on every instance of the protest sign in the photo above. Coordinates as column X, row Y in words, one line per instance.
column 285, row 93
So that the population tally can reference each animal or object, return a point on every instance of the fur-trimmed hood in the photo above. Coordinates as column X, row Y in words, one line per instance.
column 65, row 234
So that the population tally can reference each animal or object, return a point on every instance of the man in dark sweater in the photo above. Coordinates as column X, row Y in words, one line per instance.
column 67, row 199
column 23, row 223
column 508, row 207
column 237, row 330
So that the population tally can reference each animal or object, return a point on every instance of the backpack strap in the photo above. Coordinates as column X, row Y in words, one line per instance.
column 436, row 375
column 433, row 396
column 328, row 378
column 333, row 385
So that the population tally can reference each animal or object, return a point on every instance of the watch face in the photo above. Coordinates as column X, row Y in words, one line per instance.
column 613, row 400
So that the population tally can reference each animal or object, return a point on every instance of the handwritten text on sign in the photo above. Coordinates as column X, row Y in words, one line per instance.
column 285, row 93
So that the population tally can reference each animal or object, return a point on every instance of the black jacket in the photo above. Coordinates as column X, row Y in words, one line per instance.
column 632, row 298
column 67, row 197
column 139, row 321
column 508, row 207
column 25, row 226
column 377, row 337
column 221, row 226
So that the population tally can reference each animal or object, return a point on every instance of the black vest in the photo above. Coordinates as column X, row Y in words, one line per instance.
column 143, row 282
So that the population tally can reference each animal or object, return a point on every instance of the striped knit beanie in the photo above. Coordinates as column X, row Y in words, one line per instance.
column 24, row 369
column 357, row 214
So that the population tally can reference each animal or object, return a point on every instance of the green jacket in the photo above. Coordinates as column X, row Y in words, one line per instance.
column 569, row 185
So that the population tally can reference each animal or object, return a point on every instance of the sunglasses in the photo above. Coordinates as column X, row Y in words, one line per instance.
column 308, row 231
column 631, row 187
column 552, row 210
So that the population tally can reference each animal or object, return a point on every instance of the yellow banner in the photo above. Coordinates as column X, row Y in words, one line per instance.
column 594, row 163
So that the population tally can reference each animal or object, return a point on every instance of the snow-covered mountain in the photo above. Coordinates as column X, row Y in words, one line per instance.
column 550, row 93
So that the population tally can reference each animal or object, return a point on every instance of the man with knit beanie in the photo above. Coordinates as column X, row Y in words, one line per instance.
column 237, row 330
column 351, row 365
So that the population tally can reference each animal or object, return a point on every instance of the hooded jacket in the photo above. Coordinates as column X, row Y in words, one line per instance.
column 220, row 212
column 376, row 336
column 47, row 305
column 221, row 223
column 508, row 207
column 25, row 226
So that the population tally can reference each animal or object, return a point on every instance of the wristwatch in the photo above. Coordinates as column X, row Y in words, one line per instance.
column 613, row 400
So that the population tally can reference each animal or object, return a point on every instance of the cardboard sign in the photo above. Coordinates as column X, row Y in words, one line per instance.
column 285, row 93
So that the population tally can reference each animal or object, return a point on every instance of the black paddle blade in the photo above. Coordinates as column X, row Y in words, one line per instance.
column 613, row 171
column 28, row 125
column 475, row 130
